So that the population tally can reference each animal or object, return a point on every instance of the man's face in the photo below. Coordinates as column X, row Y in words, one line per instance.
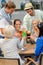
column 30, row 11
column 11, row 10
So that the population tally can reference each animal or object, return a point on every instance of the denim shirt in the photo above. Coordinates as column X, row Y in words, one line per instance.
column 39, row 46
column 4, row 14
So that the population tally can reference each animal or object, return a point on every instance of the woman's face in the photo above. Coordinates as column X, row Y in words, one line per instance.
column 34, row 24
column 17, row 25
column 35, row 28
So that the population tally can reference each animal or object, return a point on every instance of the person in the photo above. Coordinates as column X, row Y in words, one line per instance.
column 5, row 17
column 3, row 2
column 22, row 5
column 18, row 32
column 39, row 41
column 17, row 26
column 0, row 4
column 6, row 11
column 10, row 43
column 31, row 15
column 34, row 34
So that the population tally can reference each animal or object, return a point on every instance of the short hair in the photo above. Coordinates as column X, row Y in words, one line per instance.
column 40, row 27
column 9, row 31
column 10, row 4
column 37, row 21
column 16, row 20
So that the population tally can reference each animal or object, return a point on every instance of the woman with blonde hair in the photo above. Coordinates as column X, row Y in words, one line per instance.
column 10, row 43
column 34, row 34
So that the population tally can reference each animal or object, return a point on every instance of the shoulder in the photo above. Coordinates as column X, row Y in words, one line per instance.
column 2, row 10
column 39, row 40
column 38, row 11
column 15, row 39
column 27, row 16
column 2, row 40
column 2, row 13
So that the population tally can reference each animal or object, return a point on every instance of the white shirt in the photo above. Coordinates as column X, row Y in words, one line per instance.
column 3, row 23
column 9, row 48
column 27, row 21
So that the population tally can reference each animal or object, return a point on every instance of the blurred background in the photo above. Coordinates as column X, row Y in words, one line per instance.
column 19, row 13
column 38, row 4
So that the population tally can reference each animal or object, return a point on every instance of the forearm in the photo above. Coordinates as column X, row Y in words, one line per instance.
column 22, row 43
